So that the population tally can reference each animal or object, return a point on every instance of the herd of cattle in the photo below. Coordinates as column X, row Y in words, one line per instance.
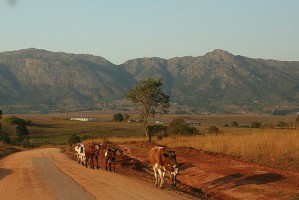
column 161, row 160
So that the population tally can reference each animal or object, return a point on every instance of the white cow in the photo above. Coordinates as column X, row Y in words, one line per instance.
column 80, row 153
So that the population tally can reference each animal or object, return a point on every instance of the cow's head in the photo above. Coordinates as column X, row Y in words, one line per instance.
column 171, row 166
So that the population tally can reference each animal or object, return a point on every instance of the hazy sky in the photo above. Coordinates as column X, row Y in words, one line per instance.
column 119, row 30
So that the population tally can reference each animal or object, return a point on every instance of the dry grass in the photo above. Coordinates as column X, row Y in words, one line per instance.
column 264, row 146
column 116, row 139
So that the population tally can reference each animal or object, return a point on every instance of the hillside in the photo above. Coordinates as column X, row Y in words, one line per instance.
column 222, row 82
column 35, row 80
column 40, row 81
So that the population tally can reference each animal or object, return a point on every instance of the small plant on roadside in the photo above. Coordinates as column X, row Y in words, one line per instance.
column 73, row 139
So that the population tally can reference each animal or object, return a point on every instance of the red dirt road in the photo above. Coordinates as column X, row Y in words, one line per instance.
column 216, row 176
column 49, row 174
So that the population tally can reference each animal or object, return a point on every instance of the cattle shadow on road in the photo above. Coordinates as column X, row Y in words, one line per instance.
column 259, row 179
column 136, row 165
column 4, row 172
column 225, row 179
column 184, row 166
column 236, row 180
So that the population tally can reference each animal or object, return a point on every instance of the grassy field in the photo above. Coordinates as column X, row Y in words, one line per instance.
column 270, row 147
column 267, row 146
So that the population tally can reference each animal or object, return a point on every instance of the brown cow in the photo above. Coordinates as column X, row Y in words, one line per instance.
column 163, row 161
column 110, row 158
column 92, row 151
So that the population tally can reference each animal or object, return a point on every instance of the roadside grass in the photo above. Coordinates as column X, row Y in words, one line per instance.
column 269, row 147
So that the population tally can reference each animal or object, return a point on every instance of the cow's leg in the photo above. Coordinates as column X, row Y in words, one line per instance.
column 106, row 164
column 97, row 158
column 77, row 158
column 86, row 161
column 113, row 166
column 161, row 174
column 92, row 162
column 174, row 181
column 156, row 176
column 110, row 165
column 83, row 160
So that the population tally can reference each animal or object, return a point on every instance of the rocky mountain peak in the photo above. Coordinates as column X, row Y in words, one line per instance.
column 219, row 54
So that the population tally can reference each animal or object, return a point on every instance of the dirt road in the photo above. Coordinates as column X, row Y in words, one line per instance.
column 49, row 174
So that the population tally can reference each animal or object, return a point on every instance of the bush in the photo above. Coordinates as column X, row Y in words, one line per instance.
column 256, row 124
column 282, row 124
column 235, row 124
column 213, row 129
column 118, row 117
column 4, row 137
column 178, row 127
column 74, row 139
column 15, row 130
column 159, row 130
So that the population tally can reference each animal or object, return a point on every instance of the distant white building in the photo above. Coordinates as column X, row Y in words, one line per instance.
column 83, row 119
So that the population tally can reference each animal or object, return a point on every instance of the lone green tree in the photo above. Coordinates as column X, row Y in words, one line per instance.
column 149, row 99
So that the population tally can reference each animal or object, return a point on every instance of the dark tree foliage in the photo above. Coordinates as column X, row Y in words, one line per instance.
column 73, row 139
column 235, row 124
column 213, row 129
column 282, row 124
column 256, row 124
column 126, row 117
column 280, row 112
column 118, row 117
column 157, row 130
column 178, row 127
column 16, row 130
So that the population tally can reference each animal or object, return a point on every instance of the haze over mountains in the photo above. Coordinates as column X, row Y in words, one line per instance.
column 39, row 81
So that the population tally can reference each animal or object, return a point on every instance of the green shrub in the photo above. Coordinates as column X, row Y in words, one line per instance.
column 213, row 129
column 118, row 117
column 159, row 130
column 235, row 124
column 178, row 127
column 256, row 124
column 73, row 139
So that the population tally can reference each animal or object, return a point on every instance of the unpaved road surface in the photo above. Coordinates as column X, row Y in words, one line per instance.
column 217, row 176
column 50, row 174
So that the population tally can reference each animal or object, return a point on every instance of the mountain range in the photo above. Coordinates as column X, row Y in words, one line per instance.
column 40, row 81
